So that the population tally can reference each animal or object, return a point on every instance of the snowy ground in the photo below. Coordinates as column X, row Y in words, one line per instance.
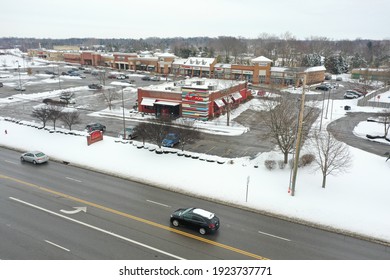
column 356, row 201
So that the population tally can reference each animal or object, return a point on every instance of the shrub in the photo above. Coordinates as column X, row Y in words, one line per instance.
column 291, row 163
column 270, row 164
column 306, row 159
column 281, row 164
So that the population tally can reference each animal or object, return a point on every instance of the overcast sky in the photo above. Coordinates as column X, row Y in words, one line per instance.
column 334, row 19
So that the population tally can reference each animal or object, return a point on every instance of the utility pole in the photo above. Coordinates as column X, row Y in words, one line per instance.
column 299, row 137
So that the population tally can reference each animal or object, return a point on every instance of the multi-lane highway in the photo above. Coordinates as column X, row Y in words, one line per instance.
column 129, row 220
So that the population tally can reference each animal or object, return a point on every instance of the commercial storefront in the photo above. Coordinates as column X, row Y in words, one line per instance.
column 194, row 98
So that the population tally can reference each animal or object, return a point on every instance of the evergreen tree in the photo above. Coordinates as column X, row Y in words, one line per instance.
column 357, row 61
column 336, row 64
column 310, row 60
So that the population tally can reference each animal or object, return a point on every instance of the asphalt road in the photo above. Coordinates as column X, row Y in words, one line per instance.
column 129, row 220
column 342, row 130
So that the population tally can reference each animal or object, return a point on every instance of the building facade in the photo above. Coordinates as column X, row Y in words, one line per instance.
column 192, row 98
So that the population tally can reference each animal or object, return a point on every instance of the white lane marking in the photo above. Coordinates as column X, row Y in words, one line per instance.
column 274, row 236
column 72, row 179
column 98, row 229
column 151, row 201
column 13, row 162
column 63, row 248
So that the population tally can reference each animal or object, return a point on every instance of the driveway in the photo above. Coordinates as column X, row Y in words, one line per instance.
column 342, row 129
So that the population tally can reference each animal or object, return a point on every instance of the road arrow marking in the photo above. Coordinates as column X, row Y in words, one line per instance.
column 97, row 229
column 77, row 209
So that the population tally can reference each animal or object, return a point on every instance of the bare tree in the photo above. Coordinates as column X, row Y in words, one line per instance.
column 42, row 113
column 189, row 133
column 54, row 113
column 281, row 120
column 332, row 157
column 70, row 117
column 384, row 118
column 154, row 131
column 141, row 130
column 158, row 130
column 110, row 95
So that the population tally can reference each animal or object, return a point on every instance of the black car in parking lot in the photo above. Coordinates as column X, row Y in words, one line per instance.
column 95, row 126
column 196, row 218
column 323, row 87
column 95, row 86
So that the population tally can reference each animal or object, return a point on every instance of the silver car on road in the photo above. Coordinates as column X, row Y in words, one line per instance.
column 35, row 157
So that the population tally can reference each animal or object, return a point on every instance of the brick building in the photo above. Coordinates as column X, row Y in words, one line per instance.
column 192, row 98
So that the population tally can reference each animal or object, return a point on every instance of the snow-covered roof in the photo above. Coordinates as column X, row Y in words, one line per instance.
column 199, row 61
column 261, row 59
column 179, row 61
column 223, row 65
column 278, row 69
column 315, row 69
column 166, row 55
column 195, row 83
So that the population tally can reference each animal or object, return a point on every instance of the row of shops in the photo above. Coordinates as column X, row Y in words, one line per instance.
column 259, row 71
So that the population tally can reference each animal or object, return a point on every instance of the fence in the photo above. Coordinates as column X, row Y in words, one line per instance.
column 372, row 95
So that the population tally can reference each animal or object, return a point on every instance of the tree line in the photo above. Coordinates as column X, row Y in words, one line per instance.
column 285, row 48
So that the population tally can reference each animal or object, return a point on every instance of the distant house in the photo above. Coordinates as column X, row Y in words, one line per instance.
column 372, row 74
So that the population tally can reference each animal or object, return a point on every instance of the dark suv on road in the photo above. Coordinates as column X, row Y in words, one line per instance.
column 196, row 218
column 95, row 126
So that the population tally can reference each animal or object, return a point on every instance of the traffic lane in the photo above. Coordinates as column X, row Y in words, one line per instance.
column 128, row 202
column 132, row 199
column 139, row 240
column 48, row 234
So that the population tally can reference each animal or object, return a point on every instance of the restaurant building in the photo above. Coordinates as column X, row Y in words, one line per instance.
column 196, row 98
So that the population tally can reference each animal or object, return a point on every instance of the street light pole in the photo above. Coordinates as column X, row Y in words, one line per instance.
column 322, row 110
column 20, row 82
column 123, row 114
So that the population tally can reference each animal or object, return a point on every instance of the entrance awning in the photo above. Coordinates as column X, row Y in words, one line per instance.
column 168, row 103
column 219, row 103
column 148, row 101
column 237, row 95
column 228, row 99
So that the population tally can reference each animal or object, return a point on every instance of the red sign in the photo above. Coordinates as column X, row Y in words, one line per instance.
column 193, row 96
column 94, row 137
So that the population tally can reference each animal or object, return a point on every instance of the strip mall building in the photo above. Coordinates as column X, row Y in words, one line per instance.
column 258, row 70
column 197, row 98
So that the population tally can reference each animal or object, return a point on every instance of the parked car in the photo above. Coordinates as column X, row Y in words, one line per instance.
column 95, row 126
column 339, row 79
column 145, row 78
column 111, row 76
column 66, row 95
column 196, row 218
column 50, row 72
column 121, row 77
column 36, row 157
column 74, row 74
column 95, row 86
column 130, row 133
column 1, row 84
column 170, row 140
column 359, row 94
column 20, row 88
column 323, row 87
column 155, row 78
column 350, row 95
